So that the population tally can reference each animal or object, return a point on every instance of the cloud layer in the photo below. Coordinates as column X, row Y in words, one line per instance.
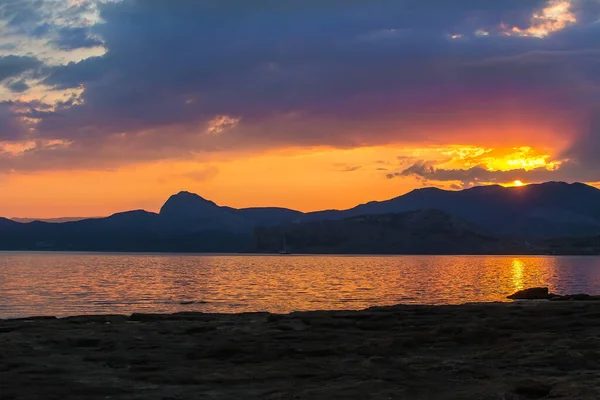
column 177, row 79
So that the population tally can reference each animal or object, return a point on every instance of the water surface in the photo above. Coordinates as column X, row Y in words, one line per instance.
column 85, row 283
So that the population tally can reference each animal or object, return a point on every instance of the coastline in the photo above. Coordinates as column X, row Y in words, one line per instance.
column 513, row 350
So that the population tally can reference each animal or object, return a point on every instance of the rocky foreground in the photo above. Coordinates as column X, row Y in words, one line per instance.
column 523, row 350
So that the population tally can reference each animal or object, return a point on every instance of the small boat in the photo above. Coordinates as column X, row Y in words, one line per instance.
column 285, row 249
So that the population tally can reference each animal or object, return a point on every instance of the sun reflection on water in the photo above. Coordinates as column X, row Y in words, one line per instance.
column 517, row 273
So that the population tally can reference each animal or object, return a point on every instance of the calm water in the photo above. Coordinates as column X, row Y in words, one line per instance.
column 79, row 283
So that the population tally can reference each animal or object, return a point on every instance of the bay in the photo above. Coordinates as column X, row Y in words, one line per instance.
column 63, row 284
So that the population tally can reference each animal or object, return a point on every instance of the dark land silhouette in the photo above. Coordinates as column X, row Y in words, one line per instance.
column 548, row 218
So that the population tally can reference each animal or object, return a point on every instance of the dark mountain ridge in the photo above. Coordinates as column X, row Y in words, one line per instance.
column 188, row 222
column 51, row 220
column 534, row 211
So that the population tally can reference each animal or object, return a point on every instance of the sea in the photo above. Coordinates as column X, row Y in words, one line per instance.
column 66, row 284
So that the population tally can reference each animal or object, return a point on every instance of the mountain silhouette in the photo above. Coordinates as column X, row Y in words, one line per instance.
column 55, row 220
column 5, row 222
column 191, row 213
column 188, row 222
column 541, row 210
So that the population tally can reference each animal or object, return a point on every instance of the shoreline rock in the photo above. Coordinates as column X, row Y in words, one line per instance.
column 535, row 293
column 543, row 293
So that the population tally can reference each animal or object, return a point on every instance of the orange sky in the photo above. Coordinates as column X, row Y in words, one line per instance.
column 302, row 179
column 305, row 181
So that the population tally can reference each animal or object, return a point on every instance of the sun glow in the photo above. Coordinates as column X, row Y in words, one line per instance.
column 498, row 159
column 473, row 165
column 524, row 158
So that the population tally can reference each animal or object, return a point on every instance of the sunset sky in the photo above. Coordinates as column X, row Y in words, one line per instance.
column 110, row 105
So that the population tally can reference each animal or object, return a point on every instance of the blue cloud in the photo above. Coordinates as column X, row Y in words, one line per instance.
column 13, row 66
column 17, row 86
column 69, row 38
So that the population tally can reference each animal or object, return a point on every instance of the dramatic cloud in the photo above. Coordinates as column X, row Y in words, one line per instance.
column 12, row 66
column 470, row 166
column 555, row 16
column 18, row 86
column 175, row 79
column 586, row 148
column 11, row 128
column 480, row 175
column 76, row 38
column 474, row 176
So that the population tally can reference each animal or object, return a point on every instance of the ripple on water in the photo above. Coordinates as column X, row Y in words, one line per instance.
column 79, row 283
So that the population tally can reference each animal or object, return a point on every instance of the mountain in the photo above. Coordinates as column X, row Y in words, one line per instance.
column 189, row 211
column 130, row 231
column 268, row 216
column 5, row 222
column 416, row 232
column 188, row 222
column 185, row 223
column 51, row 220
column 542, row 210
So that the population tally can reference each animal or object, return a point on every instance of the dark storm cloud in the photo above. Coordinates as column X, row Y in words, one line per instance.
column 342, row 73
column 10, row 127
column 267, row 58
column 586, row 148
column 12, row 66
column 75, row 38
column 18, row 13
column 17, row 86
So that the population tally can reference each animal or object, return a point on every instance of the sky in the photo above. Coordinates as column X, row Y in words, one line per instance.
column 112, row 105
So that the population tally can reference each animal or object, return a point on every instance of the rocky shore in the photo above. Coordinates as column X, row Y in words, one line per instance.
column 511, row 351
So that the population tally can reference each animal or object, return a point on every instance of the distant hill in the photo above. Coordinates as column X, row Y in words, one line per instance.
column 5, row 222
column 188, row 222
column 534, row 211
column 50, row 220
column 415, row 232
column 130, row 231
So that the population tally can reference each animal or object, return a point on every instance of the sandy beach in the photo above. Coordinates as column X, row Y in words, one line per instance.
column 523, row 350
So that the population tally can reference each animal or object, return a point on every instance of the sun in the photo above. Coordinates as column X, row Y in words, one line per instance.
column 518, row 183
